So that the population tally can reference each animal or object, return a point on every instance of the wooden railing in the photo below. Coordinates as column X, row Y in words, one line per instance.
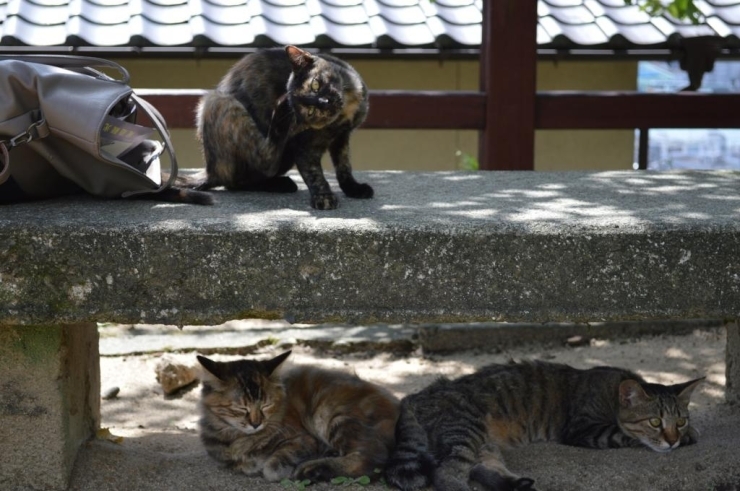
column 508, row 109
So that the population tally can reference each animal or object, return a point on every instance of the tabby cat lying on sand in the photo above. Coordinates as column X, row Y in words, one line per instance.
column 452, row 431
column 306, row 423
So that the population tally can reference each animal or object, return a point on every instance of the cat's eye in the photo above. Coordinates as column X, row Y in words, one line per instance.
column 655, row 422
column 315, row 85
column 681, row 422
column 311, row 110
column 267, row 407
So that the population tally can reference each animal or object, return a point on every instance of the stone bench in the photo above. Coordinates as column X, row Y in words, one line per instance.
column 431, row 247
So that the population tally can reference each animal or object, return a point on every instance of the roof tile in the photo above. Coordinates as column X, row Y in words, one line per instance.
column 565, row 24
column 465, row 15
column 573, row 15
column 348, row 16
column 405, row 15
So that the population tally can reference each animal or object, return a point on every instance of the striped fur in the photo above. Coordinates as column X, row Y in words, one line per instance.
column 305, row 423
column 452, row 431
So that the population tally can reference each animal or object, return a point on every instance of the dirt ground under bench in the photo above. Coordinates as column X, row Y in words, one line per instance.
column 160, row 449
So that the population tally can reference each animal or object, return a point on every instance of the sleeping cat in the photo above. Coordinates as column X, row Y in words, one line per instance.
column 452, row 431
column 306, row 423
column 277, row 108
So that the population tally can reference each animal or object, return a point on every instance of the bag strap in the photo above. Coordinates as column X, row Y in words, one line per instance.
column 82, row 64
column 161, row 126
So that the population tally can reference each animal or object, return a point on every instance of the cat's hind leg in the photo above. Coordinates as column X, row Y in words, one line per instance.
column 453, row 471
column 291, row 453
column 410, row 466
column 278, row 184
column 493, row 475
column 356, row 451
column 324, row 469
column 233, row 142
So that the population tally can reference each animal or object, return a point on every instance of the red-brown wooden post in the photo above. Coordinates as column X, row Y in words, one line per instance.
column 508, row 72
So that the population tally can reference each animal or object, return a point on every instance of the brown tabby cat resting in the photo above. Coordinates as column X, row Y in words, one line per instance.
column 277, row 108
column 452, row 431
column 306, row 423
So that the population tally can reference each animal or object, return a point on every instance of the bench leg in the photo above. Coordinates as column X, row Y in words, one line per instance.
column 732, row 359
column 49, row 402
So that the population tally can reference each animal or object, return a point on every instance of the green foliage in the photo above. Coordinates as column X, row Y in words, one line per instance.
column 465, row 161
column 680, row 9
column 337, row 481
column 297, row 485
column 348, row 481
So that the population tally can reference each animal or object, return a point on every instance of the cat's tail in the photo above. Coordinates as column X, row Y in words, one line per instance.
column 411, row 465
column 199, row 180
column 178, row 195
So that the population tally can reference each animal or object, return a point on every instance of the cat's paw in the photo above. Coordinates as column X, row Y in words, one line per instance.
column 524, row 484
column 449, row 483
column 315, row 471
column 277, row 473
column 324, row 201
column 358, row 191
column 691, row 436
column 495, row 481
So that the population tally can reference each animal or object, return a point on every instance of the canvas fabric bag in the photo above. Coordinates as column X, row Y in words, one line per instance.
column 55, row 127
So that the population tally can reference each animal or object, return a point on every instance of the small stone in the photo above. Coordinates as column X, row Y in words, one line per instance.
column 174, row 376
column 574, row 341
column 110, row 393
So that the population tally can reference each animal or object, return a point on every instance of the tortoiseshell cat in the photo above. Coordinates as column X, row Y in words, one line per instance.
column 277, row 108
column 452, row 431
column 307, row 423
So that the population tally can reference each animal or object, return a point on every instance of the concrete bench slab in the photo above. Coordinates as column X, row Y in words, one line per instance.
column 430, row 247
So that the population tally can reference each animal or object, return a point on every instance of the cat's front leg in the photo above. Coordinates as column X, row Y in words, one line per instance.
column 339, row 151
column 691, row 436
column 309, row 165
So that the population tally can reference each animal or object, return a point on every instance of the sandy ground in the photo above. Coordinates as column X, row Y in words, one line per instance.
column 160, row 449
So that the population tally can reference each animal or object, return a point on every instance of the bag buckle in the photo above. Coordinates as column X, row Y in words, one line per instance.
column 27, row 136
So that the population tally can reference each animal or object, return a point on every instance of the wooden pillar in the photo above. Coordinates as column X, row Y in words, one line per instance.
column 508, row 69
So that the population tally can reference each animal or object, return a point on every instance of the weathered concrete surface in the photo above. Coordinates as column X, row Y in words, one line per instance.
column 49, row 402
column 498, row 336
column 732, row 362
column 438, row 247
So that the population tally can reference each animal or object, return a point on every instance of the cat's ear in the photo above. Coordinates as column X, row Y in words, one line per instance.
column 213, row 367
column 298, row 57
column 631, row 393
column 683, row 391
column 271, row 365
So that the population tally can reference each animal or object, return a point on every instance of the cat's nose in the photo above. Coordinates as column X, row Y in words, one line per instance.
column 255, row 425
column 323, row 101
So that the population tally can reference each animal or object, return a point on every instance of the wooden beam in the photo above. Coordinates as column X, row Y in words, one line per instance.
column 628, row 110
column 508, row 77
column 557, row 110
column 176, row 105
column 388, row 108
column 426, row 110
